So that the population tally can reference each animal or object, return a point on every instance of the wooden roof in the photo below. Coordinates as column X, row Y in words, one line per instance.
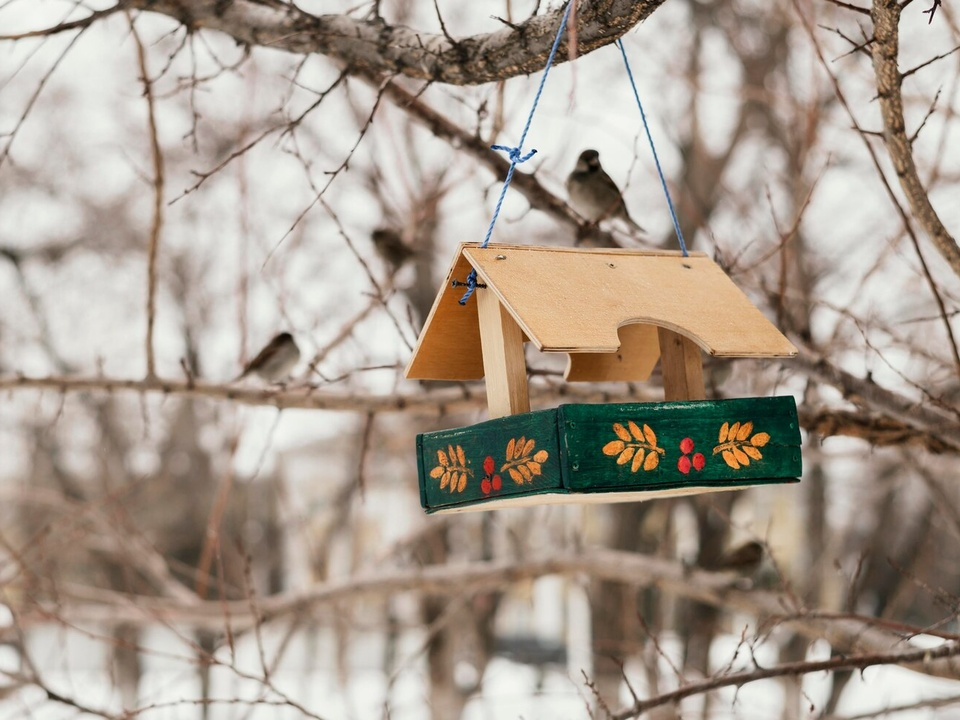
column 600, row 305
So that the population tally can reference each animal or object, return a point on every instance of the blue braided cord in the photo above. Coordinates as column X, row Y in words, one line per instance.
column 516, row 153
column 663, row 182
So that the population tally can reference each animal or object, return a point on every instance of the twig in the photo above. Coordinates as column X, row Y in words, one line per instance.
column 211, row 540
column 158, row 185
column 839, row 662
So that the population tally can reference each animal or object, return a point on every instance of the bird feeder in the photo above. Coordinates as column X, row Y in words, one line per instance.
column 615, row 313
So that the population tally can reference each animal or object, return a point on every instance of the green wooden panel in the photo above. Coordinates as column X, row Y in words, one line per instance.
column 648, row 446
column 515, row 455
column 587, row 450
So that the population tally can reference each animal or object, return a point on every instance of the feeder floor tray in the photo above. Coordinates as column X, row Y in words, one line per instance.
column 610, row 453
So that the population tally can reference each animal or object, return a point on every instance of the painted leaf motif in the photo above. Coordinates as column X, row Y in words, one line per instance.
column 741, row 456
column 451, row 469
column 525, row 471
column 614, row 447
column 650, row 435
column 621, row 432
column 752, row 452
column 515, row 476
column 722, row 438
column 518, row 448
column 730, row 460
column 541, row 456
column 510, row 448
column 651, row 462
column 737, row 447
column 535, row 467
column 528, row 447
column 636, row 445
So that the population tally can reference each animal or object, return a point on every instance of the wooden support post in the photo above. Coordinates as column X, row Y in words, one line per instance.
column 682, row 365
column 504, row 365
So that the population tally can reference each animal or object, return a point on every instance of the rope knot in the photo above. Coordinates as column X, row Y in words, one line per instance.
column 514, row 153
column 471, row 285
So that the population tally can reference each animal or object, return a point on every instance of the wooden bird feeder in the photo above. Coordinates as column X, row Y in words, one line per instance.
column 616, row 313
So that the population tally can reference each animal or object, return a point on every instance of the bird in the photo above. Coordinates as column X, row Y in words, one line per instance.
column 391, row 247
column 744, row 559
column 275, row 361
column 593, row 194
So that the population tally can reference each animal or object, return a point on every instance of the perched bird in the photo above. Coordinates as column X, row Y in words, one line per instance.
column 744, row 559
column 275, row 361
column 593, row 194
column 391, row 247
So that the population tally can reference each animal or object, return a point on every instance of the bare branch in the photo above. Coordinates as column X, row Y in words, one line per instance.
column 886, row 19
column 372, row 47
column 847, row 633
column 838, row 662
column 81, row 24
column 848, row 6
column 158, row 184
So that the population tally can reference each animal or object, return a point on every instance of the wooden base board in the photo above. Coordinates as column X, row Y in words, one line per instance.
column 522, row 501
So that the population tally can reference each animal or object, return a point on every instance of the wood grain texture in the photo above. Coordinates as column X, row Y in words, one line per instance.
column 610, row 453
column 504, row 365
column 449, row 344
column 682, row 367
column 632, row 362
column 606, row 288
column 582, row 300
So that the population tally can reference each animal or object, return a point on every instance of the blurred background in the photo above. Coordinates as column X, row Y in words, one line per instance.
column 185, row 555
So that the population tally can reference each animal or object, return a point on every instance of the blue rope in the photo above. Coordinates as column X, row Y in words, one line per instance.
column 516, row 153
column 663, row 182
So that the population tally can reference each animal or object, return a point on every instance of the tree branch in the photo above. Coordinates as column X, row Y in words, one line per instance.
column 156, row 226
column 886, row 19
column 371, row 46
column 847, row 633
column 793, row 669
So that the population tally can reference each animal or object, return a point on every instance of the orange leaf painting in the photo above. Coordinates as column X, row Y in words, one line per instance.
column 737, row 446
column 637, row 445
column 522, row 463
column 451, row 469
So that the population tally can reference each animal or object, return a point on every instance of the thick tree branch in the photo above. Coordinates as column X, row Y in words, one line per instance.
column 886, row 19
column 442, row 401
column 373, row 47
column 895, row 419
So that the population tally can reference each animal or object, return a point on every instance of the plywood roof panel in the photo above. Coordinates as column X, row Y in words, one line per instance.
column 574, row 300
column 570, row 300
